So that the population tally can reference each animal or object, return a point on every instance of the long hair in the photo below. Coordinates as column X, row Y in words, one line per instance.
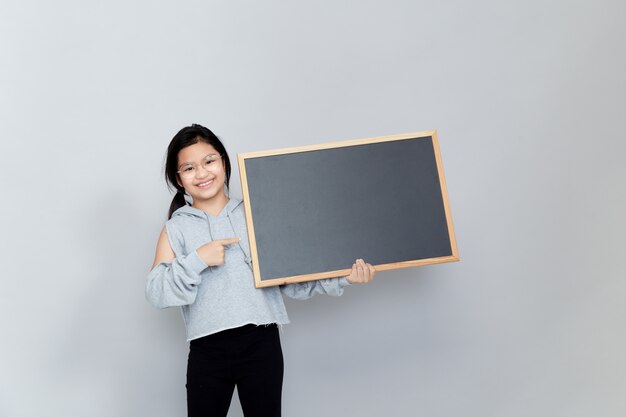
column 188, row 136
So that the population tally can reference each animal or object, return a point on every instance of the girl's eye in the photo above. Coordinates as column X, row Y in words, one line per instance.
column 209, row 160
column 188, row 168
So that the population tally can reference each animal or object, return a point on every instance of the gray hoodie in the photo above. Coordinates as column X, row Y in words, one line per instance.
column 216, row 298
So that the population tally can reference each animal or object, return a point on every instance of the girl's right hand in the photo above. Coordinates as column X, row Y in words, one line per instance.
column 212, row 253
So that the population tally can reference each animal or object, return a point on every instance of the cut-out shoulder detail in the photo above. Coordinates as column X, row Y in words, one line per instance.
column 164, row 252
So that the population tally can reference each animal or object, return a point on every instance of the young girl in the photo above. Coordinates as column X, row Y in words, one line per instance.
column 203, row 264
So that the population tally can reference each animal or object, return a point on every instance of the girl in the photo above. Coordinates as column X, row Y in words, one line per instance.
column 203, row 264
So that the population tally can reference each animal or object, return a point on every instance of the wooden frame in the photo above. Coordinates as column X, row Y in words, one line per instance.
column 260, row 282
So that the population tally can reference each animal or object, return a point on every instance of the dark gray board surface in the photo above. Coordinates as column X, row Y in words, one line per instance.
column 319, row 210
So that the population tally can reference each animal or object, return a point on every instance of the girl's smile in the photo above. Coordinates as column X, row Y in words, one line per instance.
column 205, row 184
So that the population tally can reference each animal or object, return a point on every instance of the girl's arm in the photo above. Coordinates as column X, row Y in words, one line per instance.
column 164, row 252
column 173, row 281
column 362, row 273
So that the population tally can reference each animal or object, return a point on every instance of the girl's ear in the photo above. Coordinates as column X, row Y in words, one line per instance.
column 178, row 181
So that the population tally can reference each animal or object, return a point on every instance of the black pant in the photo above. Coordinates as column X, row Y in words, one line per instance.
column 249, row 357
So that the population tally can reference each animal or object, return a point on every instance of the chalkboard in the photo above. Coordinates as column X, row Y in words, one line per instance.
column 312, row 211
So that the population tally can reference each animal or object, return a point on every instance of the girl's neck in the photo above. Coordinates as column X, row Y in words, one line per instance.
column 213, row 206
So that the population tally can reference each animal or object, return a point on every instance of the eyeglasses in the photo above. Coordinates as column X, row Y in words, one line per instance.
column 189, row 170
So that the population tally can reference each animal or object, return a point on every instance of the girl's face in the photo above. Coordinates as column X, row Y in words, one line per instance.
column 202, row 177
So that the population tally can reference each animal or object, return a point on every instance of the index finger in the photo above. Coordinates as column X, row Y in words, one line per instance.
column 229, row 241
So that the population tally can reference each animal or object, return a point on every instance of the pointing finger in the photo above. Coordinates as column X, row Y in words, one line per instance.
column 230, row 241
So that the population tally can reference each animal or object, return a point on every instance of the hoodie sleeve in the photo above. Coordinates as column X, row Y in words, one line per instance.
column 175, row 283
column 305, row 290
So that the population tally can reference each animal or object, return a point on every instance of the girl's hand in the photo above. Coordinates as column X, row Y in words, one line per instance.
column 362, row 273
column 212, row 253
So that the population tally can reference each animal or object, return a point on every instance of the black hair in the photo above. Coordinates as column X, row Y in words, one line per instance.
column 188, row 136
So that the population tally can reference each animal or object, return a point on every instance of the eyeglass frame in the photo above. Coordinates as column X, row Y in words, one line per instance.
column 216, row 157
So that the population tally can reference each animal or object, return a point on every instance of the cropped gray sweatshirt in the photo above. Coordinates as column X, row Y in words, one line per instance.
column 216, row 298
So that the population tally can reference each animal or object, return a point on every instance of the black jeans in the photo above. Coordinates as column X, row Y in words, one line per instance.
column 249, row 357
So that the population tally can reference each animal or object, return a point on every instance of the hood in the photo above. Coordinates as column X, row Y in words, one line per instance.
column 237, row 222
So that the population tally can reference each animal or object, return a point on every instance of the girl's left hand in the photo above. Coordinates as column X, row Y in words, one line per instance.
column 362, row 273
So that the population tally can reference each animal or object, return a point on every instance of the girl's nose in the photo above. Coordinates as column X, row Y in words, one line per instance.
column 201, row 172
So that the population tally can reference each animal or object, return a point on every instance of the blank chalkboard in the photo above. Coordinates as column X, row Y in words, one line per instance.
column 311, row 211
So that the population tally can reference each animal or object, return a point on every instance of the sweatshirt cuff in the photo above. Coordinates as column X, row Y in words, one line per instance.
column 194, row 262
column 343, row 282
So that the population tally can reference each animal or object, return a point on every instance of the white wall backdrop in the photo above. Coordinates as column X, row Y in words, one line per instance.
column 529, row 99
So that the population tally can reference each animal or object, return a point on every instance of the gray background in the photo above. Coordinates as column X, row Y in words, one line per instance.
column 527, row 96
